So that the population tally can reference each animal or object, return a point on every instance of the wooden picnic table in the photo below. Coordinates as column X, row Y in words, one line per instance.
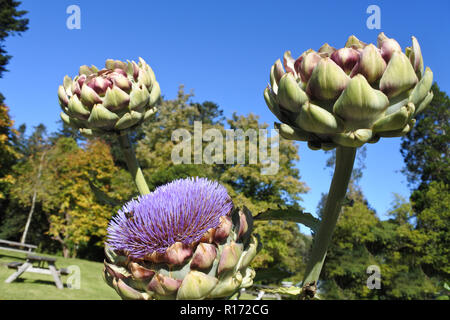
column 44, row 265
column 6, row 245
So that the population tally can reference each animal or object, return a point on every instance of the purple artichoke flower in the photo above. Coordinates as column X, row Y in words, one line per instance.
column 185, row 240
column 181, row 211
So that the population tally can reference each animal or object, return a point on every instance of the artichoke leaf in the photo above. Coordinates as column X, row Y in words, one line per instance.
column 421, row 90
column 399, row 75
column 128, row 120
column 102, row 117
column 196, row 286
column 291, row 133
column 394, row 121
column 359, row 101
column 155, row 94
column 353, row 139
column 318, row 120
column 115, row 99
column 425, row 102
column 290, row 95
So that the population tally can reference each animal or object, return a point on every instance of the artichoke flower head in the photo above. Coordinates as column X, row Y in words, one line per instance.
column 349, row 96
column 183, row 241
column 121, row 96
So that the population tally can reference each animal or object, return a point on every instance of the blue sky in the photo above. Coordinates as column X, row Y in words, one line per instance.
column 223, row 50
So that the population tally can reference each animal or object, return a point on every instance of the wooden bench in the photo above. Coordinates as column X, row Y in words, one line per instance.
column 42, row 265
column 15, row 246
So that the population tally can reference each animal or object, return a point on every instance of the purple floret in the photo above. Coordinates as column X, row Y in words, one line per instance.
column 180, row 211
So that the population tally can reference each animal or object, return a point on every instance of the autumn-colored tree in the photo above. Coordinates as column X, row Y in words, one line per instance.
column 7, row 153
column 8, row 156
column 75, row 216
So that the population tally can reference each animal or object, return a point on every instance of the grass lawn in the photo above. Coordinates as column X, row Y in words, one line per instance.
column 34, row 286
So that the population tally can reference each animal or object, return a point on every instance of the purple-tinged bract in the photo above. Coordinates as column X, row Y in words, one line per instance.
column 180, row 211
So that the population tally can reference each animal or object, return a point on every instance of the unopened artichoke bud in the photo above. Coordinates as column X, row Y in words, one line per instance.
column 185, row 240
column 119, row 97
column 349, row 96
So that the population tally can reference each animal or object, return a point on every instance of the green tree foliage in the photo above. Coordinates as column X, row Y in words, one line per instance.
column 426, row 149
column 23, row 179
column 426, row 152
column 433, row 222
column 362, row 239
column 11, row 22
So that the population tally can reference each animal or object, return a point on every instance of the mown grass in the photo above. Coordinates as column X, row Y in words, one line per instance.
column 33, row 286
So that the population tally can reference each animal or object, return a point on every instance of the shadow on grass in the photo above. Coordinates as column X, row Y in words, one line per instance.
column 12, row 256
column 37, row 282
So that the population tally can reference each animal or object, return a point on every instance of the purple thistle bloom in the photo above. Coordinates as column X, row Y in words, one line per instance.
column 180, row 211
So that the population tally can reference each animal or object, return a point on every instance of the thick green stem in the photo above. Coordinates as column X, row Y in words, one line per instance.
column 132, row 163
column 345, row 158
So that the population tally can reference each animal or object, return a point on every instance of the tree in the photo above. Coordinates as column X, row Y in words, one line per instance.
column 30, row 157
column 75, row 216
column 361, row 240
column 7, row 153
column 67, row 210
column 426, row 149
column 154, row 148
column 426, row 152
column 37, row 146
column 434, row 223
column 10, row 23
column 8, row 156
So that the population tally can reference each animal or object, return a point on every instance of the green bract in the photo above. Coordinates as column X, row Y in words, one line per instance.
column 116, row 98
column 215, row 267
column 349, row 96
